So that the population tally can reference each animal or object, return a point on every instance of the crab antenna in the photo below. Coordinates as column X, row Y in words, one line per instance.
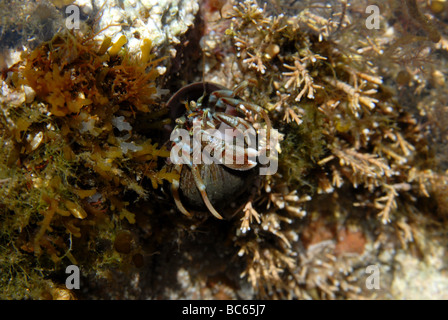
column 203, row 73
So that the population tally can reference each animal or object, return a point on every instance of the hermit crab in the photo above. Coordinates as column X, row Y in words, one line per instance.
column 207, row 115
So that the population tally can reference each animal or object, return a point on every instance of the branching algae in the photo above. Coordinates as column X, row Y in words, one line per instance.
column 69, row 156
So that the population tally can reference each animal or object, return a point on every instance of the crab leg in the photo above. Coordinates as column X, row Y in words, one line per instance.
column 243, row 85
column 175, row 192
column 251, row 106
column 232, row 121
column 217, row 95
column 229, row 97
column 238, row 123
column 219, row 145
column 201, row 187
column 254, row 108
column 214, row 96
column 237, row 153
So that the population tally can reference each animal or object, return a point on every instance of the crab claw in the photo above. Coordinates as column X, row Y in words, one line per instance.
column 242, row 158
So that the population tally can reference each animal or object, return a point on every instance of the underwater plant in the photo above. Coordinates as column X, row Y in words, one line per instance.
column 70, row 156
column 351, row 151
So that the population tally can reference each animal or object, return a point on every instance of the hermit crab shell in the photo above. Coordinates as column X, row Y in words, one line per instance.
column 225, row 186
